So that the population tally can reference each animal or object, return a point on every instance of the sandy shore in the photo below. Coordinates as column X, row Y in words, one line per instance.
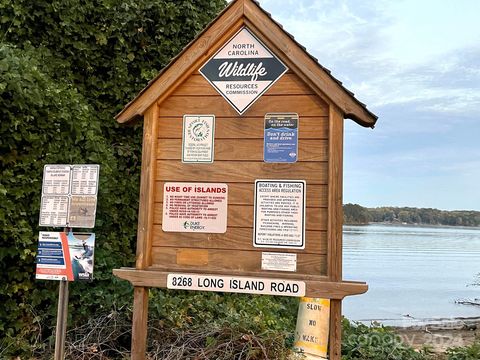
column 441, row 336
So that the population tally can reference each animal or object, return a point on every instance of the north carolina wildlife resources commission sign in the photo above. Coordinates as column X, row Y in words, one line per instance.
column 242, row 70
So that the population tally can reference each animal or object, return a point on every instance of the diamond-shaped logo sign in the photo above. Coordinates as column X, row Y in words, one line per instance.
column 242, row 70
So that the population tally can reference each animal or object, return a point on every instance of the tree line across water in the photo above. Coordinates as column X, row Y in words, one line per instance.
column 357, row 214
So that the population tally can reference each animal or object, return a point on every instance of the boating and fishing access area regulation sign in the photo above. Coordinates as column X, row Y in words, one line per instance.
column 243, row 70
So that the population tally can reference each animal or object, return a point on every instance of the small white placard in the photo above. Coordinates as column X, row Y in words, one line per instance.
column 54, row 211
column 85, row 179
column 82, row 211
column 236, row 284
column 279, row 261
column 56, row 180
column 279, row 218
column 198, row 135
column 195, row 207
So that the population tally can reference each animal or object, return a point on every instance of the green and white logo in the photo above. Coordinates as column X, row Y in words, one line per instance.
column 198, row 130
column 198, row 135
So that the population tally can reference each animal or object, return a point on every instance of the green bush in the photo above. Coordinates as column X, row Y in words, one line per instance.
column 361, row 342
column 43, row 120
column 183, row 309
column 471, row 352
column 66, row 68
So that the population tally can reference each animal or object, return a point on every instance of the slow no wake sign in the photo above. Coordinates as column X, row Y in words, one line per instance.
column 242, row 70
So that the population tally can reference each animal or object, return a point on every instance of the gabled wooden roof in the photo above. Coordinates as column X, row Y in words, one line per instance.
column 248, row 13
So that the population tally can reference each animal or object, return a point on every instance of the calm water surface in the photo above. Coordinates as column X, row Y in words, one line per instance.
column 414, row 274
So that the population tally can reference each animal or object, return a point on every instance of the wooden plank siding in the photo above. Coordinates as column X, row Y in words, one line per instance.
column 245, row 127
column 238, row 162
column 242, row 194
column 243, row 149
column 305, row 105
column 242, row 216
column 233, row 239
column 221, row 259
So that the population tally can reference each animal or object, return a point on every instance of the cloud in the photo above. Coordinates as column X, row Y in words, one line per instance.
column 360, row 41
column 420, row 74
column 450, row 84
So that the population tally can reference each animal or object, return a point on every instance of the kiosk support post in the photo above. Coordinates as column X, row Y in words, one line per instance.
column 139, row 326
column 335, row 225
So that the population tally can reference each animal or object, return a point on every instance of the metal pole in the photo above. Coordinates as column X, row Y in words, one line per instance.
column 62, row 317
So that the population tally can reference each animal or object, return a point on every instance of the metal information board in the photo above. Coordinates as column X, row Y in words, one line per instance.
column 56, row 180
column 85, row 179
column 69, row 195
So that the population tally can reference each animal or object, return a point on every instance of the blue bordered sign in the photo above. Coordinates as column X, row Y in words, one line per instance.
column 243, row 70
column 280, row 138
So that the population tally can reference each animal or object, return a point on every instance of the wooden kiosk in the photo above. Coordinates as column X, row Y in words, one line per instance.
column 240, row 78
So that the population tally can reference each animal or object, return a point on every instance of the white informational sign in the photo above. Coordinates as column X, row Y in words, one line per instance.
column 236, row 284
column 197, row 140
column 279, row 218
column 243, row 70
column 85, row 179
column 51, row 259
column 82, row 211
column 56, row 180
column 65, row 256
column 195, row 207
column 69, row 196
column 54, row 210
column 279, row 261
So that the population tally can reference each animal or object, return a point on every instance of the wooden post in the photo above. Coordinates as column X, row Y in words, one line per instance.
column 144, row 236
column 62, row 317
column 335, row 348
column 139, row 327
column 335, row 223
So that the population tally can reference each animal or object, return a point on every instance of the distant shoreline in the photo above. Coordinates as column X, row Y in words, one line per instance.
column 355, row 214
column 413, row 225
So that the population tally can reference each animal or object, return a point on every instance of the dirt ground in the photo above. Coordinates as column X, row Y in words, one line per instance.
column 440, row 337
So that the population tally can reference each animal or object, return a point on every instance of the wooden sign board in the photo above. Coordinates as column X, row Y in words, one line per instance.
column 277, row 227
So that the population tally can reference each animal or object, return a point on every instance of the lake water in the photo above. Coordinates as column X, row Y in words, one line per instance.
column 414, row 274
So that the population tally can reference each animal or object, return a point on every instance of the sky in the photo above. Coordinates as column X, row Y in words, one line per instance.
column 416, row 64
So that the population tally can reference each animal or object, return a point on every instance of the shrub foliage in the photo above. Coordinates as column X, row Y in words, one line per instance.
column 66, row 68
